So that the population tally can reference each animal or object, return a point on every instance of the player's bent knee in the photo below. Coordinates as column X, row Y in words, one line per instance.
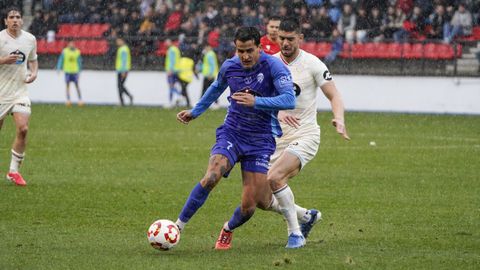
column 22, row 130
column 264, row 204
column 211, row 179
column 276, row 180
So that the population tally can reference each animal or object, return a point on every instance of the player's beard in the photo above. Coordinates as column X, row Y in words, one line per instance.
column 289, row 52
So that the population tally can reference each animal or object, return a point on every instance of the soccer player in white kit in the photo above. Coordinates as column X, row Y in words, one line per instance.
column 301, row 132
column 17, row 48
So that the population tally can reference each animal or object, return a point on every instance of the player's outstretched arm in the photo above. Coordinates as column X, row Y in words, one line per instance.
column 33, row 71
column 341, row 129
column 331, row 92
column 185, row 117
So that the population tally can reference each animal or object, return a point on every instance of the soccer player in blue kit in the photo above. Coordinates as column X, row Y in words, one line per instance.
column 260, row 85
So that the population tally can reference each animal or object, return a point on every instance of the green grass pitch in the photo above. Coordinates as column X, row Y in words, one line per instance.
column 98, row 176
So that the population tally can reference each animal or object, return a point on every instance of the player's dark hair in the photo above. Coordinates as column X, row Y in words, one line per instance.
column 10, row 9
column 290, row 25
column 274, row 18
column 247, row 33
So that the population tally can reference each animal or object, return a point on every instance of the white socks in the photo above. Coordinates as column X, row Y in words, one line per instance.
column 225, row 227
column 180, row 224
column 286, row 202
column 303, row 215
column 17, row 159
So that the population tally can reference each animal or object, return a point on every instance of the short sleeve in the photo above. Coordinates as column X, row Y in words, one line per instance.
column 320, row 71
column 32, row 56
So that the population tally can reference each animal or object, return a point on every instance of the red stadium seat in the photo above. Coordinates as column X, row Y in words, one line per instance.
column 322, row 49
column 309, row 46
column 92, row 47
column 406, row 49
column 394, row 51
column 377, row 50
column 56, row 46
column 76, row 30
column 69, row 30
column 445, row 51
column 97, row 29
column 346, row 50
column 84, row 31
column 476, row 32
column 82, row 45
column 439, row 51
column 413, row 51
column 42, row 46
column 358, row 50
column 101, row 47
column 64, row 30
column 431, row 51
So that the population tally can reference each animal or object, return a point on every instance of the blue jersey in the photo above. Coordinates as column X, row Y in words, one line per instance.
column 271, row 83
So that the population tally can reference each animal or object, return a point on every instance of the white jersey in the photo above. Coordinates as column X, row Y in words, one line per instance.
column 12, row 76
column 309, row 73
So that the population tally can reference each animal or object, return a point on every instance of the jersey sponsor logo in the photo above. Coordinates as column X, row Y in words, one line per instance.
column 268, row 47
column 248, row 80
column 285, row 80
column 327, row 76
column 20, row 56
column 260, row 77
column 297, row 89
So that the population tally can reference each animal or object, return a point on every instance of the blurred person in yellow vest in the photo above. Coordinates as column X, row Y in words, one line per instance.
column 70, row 62
column 185, row 75
column 172, row 59
column 209, row 69
column 123, row 64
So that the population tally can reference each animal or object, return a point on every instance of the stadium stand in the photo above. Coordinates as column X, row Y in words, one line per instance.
column 94, row 24
column 93, row 30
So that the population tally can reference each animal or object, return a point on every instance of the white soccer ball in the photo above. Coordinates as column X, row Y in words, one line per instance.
column 163, row 234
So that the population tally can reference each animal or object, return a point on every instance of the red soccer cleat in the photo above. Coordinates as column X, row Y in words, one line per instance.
column 16, row 178
column 224, row 240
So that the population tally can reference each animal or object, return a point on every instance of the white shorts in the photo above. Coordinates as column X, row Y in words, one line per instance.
column 305, row 146
column 20, row 106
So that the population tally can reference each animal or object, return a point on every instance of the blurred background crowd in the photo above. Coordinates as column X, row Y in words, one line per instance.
column 194, row 22
column 356, row 20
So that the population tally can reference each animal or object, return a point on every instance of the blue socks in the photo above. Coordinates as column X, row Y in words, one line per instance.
column 196, row 199
column 238, row 219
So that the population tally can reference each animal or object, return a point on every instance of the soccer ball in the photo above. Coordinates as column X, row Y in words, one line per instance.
column 163, row 234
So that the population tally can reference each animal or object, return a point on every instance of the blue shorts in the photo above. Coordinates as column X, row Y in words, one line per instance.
column 71, row 77
column 172, row 78
column 252, row 152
